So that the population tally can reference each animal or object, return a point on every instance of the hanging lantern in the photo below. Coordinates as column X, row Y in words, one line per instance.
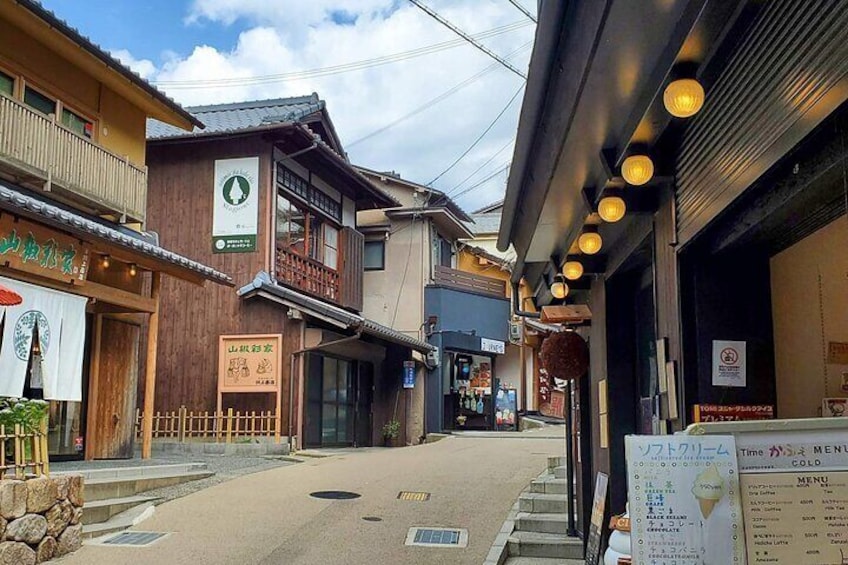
column 590, row 242
column 611, row 208
column 683, row 98
column 572, row 270
column 637, row 169
column 559, row 289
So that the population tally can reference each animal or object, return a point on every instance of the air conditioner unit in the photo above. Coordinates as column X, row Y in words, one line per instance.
column 433, row 358
column 515, row 332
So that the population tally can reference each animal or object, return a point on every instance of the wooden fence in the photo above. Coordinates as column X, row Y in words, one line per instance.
column 460, row 280
column 23, row 453
column 224, row 426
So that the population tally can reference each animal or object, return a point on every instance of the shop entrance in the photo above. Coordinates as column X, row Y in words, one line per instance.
column 338, row 402
column 468, row 382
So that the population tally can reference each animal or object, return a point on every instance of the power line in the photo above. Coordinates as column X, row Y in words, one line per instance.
column 336, row 69
column 468, row 38
column 473, row 187
column 480, row 137
column 478, row 169
column 523, row 10
column 433, row 101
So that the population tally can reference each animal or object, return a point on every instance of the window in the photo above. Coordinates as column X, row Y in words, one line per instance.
column 38, row 101
column 291, row 226
column 291, row 182
column 331, row 247
column 443, row 251
column 7, row 84
column 375, row 255
column 77, row 123
column 306, row 234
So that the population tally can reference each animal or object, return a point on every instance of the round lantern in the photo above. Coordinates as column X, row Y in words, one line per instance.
column 590, row 242
column 572, row 270
column 637, row 169
column 683, row 98
column 559, row 290
column 611, row 209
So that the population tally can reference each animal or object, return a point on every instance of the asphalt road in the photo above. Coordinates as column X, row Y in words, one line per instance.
column 269, row 517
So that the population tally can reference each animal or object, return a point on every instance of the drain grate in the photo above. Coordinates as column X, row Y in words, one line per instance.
column 135, row 539
column 437, row 537
column 416, row 496
column 335, row 494
column 372, row 518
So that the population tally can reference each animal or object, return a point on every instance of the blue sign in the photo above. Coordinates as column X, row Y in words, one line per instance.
column 409, row 374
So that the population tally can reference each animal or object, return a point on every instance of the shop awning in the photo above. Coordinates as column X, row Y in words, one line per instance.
column 20, row 201
column 265, row 287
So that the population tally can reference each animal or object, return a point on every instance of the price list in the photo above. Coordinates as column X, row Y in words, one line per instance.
column 796, row 518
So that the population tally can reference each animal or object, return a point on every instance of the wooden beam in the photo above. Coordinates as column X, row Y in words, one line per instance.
column 150, row 376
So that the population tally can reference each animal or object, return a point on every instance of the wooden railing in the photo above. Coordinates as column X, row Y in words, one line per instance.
column 460, row 280
column 221, row 427
column 307, row 275
column 23, row 453
column 37, row 145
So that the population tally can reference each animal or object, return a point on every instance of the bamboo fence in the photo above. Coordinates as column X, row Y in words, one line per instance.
column 23, row 453
column 220, row 426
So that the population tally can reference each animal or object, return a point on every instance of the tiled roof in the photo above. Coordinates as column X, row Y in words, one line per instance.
column 241, row 116
column 493, row 207
column 17, row 199
column 488, row 223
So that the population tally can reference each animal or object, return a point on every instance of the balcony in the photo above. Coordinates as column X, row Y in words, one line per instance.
column 37, row 148
column 307, row 275
column 469, row 282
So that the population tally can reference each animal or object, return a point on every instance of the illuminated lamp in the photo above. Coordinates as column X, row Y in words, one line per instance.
column 572, row 270
column 611, row 208
column 559, row 289
column 683, row 98
column 133, row 270
column 637, row 169
column 105, row 261
column 590, row 242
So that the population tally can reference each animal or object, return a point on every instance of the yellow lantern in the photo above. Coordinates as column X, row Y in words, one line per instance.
column 559, row 289
column 572, row 270
column 637, row 169
column 611, row 209
column 683, row 98
column 590, row 242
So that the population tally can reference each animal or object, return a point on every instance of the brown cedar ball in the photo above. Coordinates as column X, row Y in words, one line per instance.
column 565, row 355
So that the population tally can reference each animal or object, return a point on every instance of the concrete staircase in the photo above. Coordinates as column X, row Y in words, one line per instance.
column 115, row 500
column 540, row 526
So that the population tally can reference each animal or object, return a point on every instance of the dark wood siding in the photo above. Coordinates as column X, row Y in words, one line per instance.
column 192, row 318
column 352, row 268
column 788, row 74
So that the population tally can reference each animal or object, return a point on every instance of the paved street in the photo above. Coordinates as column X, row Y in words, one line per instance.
column 270, row 518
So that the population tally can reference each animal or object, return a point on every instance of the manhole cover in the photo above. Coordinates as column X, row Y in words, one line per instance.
column 417, row 496
column 437, row 537
column 136, row 539
column 335, row 494
column 372, row 518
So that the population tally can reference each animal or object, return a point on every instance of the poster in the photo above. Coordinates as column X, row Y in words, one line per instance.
column 249, row 363
column 596, row 522
column 732, row 412
column 506, row 409
column 235, row 216
column 729, row 363
column 684, row 500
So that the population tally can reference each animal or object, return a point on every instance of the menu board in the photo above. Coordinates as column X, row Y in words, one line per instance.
column 685, row 507
column 796, row 518
column 596, row 524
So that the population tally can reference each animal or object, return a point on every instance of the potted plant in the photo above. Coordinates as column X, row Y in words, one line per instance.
column 391, row 431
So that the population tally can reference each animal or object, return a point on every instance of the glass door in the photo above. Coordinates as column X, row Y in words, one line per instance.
column 331, row 402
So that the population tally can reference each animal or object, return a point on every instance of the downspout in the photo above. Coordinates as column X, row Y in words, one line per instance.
column 294, row 355
column 515, row 305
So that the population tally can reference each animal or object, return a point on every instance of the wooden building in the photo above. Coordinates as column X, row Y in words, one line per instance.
column 295, row 252
column 73, row 193
column 734, row 234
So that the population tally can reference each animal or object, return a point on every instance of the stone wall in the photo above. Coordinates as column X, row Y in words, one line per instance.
column 40, row 518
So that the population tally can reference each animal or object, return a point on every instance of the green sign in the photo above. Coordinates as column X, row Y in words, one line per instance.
column 235, row 218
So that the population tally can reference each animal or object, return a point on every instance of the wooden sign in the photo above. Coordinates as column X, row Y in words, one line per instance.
column 837, row 353
column 732, row 413
column 37, row 249
column 596, row 522
column 570, row 313
column 250, row 363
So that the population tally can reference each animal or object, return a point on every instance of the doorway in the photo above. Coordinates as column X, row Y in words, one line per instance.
column 338, row 402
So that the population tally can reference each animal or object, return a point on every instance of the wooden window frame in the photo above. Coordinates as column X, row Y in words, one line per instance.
column 382, row 266
column 309, row 237
column 23, row 83
column 16, row 81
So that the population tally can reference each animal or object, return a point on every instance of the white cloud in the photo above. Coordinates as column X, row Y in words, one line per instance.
column 144, row 67
column 286, row 36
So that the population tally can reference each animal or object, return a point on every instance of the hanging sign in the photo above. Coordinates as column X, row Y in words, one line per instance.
column 596, row 523
column 249, row 363
column 492, row 346
column 684, row 500
column 235, row 214
column 729, row 363
column 37, row 249
column 409, row 374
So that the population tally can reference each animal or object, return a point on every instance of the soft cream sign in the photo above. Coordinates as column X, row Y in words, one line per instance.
column 236, row 210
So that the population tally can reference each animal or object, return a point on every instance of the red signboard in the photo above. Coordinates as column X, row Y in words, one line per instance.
column 732, row 413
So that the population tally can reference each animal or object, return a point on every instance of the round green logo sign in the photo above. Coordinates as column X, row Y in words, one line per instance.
column 236, row 190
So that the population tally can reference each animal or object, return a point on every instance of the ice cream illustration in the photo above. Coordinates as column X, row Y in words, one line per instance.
column 708, row 489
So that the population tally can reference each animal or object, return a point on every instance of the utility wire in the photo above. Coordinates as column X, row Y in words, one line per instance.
column 524, row 10
column 478, row 169
column 474, row 187
column 480, row 137
column 468, row 38
column 336, row 69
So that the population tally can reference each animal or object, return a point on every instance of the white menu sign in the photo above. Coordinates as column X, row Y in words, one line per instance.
column 684, row 498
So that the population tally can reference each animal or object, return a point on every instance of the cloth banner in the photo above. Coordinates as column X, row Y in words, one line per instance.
column 60, row 320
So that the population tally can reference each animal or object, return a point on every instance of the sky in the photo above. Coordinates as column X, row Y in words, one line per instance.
column 413, row 113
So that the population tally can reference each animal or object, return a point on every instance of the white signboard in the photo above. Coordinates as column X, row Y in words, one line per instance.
column 235, row 217
column 684, row 498
column 492, row 346
column 729, row 363
column 793, row 450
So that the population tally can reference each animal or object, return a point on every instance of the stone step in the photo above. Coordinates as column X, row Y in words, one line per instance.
column 97, row 511
column 106, row 488
column 554, row 462
column 548, row 485
column 542, row 561
column 542, row 503
column 119, row 522
column 551, row 546
column 139, row 471
column 559, row 472
column 541, row 523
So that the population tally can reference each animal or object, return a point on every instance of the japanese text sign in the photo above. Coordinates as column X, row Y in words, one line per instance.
column 249, row 363
column 684, row 500
column 36, row 249
column 409, row 374
column 732, row 412
column 235, row 217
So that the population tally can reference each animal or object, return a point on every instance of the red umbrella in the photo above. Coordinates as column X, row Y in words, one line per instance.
column 9, row 297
